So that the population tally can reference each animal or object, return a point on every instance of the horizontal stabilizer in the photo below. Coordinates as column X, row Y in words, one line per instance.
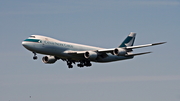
column 134, row 54
column 147, row 45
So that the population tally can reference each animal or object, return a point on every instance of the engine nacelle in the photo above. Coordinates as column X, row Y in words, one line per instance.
column 119, row 52
column 90, row 55
column 49, row 59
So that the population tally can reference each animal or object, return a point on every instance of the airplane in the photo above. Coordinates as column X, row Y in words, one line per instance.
column 81, row 54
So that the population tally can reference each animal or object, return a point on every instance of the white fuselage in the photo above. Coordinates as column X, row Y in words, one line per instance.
column 50, row 46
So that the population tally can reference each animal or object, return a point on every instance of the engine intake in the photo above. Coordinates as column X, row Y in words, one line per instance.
column 49, row 59
column 119, row 52
column 90, row 55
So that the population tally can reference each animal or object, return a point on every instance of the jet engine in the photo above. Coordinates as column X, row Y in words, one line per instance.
column 119, row 52
column 90, row 55
column 49, row 59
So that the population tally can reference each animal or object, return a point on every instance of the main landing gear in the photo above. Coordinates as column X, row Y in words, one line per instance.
column 84, row 63
column 81, row 64
column 35, row 57
column 69, row 63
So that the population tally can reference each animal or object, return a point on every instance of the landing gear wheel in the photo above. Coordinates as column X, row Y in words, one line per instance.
column 80, row 65
column 70, row 66
column 89, row 64
column 35, row 57
column 69, row 63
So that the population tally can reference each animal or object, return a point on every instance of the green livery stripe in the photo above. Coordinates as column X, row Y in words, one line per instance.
column 33, row 40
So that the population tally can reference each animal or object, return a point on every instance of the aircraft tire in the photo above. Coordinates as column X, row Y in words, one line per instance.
column 70, row 66
column 34, row 57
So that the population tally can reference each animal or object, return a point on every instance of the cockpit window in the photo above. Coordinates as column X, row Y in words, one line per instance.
column 32, row 37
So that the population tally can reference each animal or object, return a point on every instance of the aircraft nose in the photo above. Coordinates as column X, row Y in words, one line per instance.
column 24, row 43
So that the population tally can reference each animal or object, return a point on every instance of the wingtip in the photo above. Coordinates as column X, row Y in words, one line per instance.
column 159, row 43
column 148, row 52
column 163, row 42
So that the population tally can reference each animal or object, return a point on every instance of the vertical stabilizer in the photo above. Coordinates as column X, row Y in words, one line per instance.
column 129, row 41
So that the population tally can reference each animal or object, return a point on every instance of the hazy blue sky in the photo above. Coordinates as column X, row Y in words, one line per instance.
column 102, row 23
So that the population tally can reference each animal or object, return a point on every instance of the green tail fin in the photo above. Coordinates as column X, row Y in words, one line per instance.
column 129, row 41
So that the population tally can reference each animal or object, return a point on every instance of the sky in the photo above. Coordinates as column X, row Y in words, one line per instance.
column 101, row 23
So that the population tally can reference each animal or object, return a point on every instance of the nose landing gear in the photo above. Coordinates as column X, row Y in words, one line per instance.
column 35, row 57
